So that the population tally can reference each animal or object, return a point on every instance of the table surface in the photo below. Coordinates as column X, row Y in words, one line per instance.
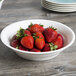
column 12, row 65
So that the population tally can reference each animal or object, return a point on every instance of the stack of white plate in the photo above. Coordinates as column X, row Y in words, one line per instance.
column 59, row 5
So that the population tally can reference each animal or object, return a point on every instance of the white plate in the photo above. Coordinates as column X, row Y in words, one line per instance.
column 50, row 3
column 58, row 8
column 63, row 2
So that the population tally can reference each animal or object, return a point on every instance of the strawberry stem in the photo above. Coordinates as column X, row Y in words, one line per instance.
column 34, row 34
column 20, row 33
column 25, row 35
column 30, row 25
column 17, row 46
column 55, row 47
column 35, row 37
column 41, row 25
column 52, row 28
column 52, row 46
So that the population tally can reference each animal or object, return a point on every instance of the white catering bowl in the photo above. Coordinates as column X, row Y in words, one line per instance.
column 9, row 31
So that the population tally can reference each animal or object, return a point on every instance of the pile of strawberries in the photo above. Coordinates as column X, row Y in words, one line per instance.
column 37, row 39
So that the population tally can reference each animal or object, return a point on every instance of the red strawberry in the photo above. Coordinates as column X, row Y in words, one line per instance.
column 50, row 34
column 38, row 34
column 22, row 48
column 35, row 50
column 41, row 28
column 27, row 32
column 14, row 37
column 46, row 48
column 49, row 47
column 34, row 28
column 27, row 42
column 39, row 43
column 15, row 43
column 58, row 41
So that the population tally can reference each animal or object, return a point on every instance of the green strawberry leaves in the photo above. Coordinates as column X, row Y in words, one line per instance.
column 20, row 33
column 30, row 25
column 17, row 46
column 41, row 25
column 34, row 36
column 52, row 28
column 52, row 46
column 25, row 35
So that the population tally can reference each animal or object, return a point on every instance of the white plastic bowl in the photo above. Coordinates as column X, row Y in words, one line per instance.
column 8, row 32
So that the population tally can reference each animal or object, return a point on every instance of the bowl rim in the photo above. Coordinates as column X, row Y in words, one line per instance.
column 9, row 46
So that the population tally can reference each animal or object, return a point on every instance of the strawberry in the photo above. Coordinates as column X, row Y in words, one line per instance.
column 39, row 43
column 50, row 34
column 15, row 43
column 22, row 48
column 27, row 42
column 46, row 47
column 14, row 37
column 58, row 41
column 27, row 32
column 35, row 50
column 34, row 28
column 49, row 47
column 38, row 34
column 41, row 28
